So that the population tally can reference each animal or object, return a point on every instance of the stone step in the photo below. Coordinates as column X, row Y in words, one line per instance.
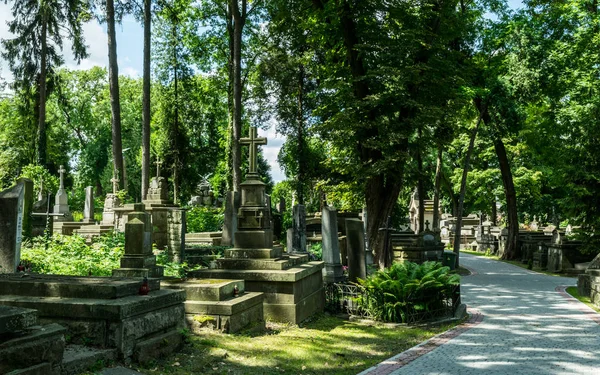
column 204, row 260
column 39, row 369
column 15, row 319
column 157, row 346
column 206, row 289
column 103, row 309
column 79, row 358
column 239, row 253
column 197, row 251
column 228, row 307
column 254, row 264
column 293, row 274
column 35, row 285
column 40, row 344
column 198, row 235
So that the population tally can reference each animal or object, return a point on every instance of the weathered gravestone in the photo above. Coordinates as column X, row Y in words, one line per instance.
column 355, row 242
column 61, row 200
column 232, row 204
column 88, row 209
column 332, row 273
column 11, row 227
column 299, row 229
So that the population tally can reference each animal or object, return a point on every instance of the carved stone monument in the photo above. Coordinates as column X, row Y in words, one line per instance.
column 88, row 208
column 11, row 227
column 61, row 200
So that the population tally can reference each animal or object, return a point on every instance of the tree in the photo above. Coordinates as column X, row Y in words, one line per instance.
column 40, row 26
column 146, row 100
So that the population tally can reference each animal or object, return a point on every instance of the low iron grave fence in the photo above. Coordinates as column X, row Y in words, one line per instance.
column 343, row 298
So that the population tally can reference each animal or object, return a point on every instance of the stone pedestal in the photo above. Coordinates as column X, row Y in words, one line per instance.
column 61, row 206
column 88, row 209
column 138, row 261
column 299, row 227
column 292, row 286
column 332, row 273
column 232, row 203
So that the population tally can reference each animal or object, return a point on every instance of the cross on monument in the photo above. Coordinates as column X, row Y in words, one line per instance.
column 158, row 164
column 253, row 141
column 62, row 171
column 115, row 183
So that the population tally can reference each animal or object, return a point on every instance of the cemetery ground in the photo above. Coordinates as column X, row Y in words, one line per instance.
column 324, row 344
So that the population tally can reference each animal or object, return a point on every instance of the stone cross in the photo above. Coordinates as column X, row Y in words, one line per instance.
column 62, row 171
column 253, row 141
column 158, row 164
column 115, row 183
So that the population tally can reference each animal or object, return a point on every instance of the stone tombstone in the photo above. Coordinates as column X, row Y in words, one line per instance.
column 534, row 224
column 11, row 227
column 281, row 205
column 88, row 208
column 299, row 227
column 332, row 273
column 158, row 190
column 176, row 228
column 289, row 235
column 556, row 239
column 232, row 203
column 111, row 202
column 27, row 206
column 569, row 230
column 355, row 242
column 61, row 200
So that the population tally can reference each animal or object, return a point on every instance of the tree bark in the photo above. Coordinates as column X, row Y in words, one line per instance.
column 494, row 213
column 510, row 251
column 230, row 31
column 463, row 186
column 436, row 193
column 239, row 19
column 146, row 101
column 42, row 138
column 301, row 159
column 175, row 127
column 420, row 189
column 115, row 105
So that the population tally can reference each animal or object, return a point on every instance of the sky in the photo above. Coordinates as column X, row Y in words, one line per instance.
column 129, row 53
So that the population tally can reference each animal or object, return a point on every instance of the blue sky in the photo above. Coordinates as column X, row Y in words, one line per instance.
column 129, row 53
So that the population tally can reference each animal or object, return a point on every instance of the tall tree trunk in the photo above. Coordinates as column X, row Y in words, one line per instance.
column 420, row 187
column 436, row 193
column 229, row 150
column 510, row 251
column 494, row 213
column 175, row 129
column 463, row 186
column 301, row 159
column 239, row 19
column 115, row 104
column 146, row 102
column 41, row 141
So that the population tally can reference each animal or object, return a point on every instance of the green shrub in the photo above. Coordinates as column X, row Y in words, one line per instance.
column 70, row 255
column 204, row 219
column 405, row 289
column 316, row 251
column 173, row 269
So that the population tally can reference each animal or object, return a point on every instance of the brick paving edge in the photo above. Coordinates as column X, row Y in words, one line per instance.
column 399, row 360
column 588, row 311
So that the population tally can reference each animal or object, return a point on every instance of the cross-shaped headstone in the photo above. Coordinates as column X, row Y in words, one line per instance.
column 62, row 171
column 253, row 141
column 158, row 164
column 115, row 183
column 427, row 225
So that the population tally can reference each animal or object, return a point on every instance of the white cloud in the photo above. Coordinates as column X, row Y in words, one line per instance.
column 271, row 150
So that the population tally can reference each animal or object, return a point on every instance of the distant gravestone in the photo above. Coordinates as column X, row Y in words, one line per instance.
column 332, row 273
column 88, row 208
column 281, row 205
column 27, row 206
column 232, row 203
column 11, row 227
column 61, row 200
column 299, row 227
column 355, row 242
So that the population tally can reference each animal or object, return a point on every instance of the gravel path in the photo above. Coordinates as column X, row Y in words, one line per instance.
column 521, row 323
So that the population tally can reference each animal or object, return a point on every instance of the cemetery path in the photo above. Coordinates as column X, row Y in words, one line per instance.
column 522, row 322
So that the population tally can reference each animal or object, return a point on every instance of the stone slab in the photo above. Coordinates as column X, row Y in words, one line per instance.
column 290, row 275
column 71, row 286
column 266, row 253
column 78, row 358
column 13, row 319
column 296, row 312
column 84, row 308
column 229, row 307
column 253, row 317
column 40, row 369
column 206, row 289
column 157, row 346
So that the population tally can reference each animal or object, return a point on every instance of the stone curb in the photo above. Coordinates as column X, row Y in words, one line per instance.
column 588, row 311
column 399, row 360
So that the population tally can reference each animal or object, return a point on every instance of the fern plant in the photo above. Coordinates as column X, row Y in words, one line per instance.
column 405, row 289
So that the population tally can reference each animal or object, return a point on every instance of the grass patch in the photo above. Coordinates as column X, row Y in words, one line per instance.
column 572, row 290
column 326, row 345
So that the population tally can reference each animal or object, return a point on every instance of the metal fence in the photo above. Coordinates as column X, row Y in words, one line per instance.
column 343, row 298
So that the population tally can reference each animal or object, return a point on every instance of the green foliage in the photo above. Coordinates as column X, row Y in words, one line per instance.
column 316, row 251
column 405, row 289
column 40, row 177
column 204, row 219
column 70, row 255
column 172, row 269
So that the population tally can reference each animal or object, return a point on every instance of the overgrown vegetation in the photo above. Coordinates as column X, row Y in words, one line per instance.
column 204, row 219
column 70, row 255
column 404, row 289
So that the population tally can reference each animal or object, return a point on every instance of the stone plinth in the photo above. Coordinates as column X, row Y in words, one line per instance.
column 292, row 287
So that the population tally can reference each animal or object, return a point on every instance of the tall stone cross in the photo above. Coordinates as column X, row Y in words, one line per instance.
column 158, row 164
column 253, row 141
column 115, row 183
column 62, row 171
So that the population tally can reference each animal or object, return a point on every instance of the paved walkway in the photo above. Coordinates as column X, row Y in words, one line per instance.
column 522, row 323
